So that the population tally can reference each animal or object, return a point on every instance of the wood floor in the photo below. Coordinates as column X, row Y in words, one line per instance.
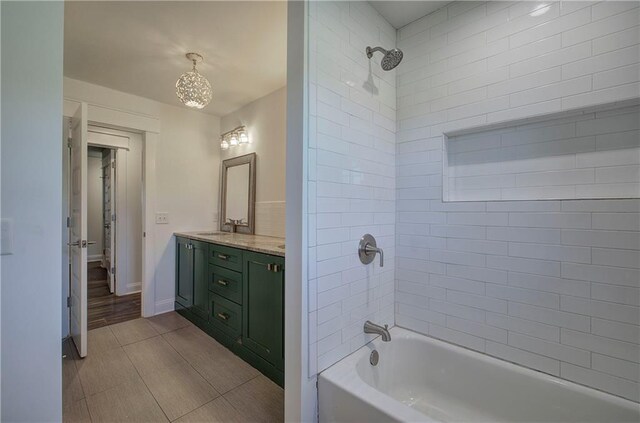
column 104, row 307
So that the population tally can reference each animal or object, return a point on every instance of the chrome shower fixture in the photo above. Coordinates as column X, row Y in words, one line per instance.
column 391, row 59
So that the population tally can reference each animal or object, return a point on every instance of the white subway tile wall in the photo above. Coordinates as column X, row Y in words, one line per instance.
column 352, row 177
column 270, row 218
column 552, row 285
column 592, row 154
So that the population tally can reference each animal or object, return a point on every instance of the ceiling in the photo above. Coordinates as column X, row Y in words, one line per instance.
column 139, row 47
column 401, row 13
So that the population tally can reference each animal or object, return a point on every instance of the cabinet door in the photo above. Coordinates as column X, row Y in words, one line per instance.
column 200, row 251
column 184, row 272
column 263, row 313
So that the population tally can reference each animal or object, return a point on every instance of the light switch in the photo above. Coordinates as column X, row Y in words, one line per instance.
column 162, row 218
column 6, row 237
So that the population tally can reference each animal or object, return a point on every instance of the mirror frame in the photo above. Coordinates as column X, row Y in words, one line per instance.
column 249, row 159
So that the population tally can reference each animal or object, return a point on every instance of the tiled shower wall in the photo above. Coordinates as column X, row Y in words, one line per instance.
column 551, row 285
column 351, row 174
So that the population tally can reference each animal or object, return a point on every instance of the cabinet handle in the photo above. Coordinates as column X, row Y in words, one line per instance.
column 223, row 283
column 223, row 316
column 273, row 267
column 223, row 257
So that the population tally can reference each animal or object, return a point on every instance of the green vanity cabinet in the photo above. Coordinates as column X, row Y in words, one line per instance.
column 263, row 312
column 191, row 276
column 200, row 279
column 237, row 297
column 184, row 273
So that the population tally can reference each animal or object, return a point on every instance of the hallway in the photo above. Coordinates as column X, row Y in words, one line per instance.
column 163, row 369
column 105, row 308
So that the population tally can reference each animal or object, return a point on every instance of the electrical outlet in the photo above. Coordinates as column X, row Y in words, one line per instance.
column 162, row 218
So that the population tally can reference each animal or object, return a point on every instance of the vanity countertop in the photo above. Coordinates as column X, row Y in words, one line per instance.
column 258, row 243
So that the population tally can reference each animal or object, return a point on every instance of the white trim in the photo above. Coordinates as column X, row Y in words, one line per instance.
column 95, row 257
column 300, row 395
column 132, row 288
column 149, row 127
column 165, row 306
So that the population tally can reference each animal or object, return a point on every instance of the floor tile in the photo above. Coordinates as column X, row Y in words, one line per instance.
column 179, row 389
column 259, row 400
column 100, row 340
column 71, row 387
column 76, row 412
column 223, row 369
column 129, row 402
column 217, row 411
column 191, row 342
column 168, row 322
column 102, row 371
column 152, row 354
column 133, row 331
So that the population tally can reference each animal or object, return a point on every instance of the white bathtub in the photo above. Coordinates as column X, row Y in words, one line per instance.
column 422, row 379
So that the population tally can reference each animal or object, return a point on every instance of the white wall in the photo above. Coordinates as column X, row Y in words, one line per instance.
column 32, row 198
column 95, row 225
column 187, row 158
column 266, row 124
column 552, row 285
column 352, row 178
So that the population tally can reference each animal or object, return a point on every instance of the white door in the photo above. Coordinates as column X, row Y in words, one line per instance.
column 108, row 179
column 78, row 237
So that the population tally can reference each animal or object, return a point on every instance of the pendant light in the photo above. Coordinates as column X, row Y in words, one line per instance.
column 193, row 89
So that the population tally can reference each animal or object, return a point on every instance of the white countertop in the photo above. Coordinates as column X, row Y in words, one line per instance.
column 258, row 243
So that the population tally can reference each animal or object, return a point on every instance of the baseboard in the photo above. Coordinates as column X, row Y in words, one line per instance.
column 164, row 306
column 94, row 258
column 134, row 287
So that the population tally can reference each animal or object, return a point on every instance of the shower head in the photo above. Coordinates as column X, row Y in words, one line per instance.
column 391, row 59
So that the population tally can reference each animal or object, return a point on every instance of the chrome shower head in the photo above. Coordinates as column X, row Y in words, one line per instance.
column 391, row 59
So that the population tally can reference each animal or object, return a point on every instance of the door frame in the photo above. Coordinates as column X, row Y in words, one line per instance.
column 149, row 128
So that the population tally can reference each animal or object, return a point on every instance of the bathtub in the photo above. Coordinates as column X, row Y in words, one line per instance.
column 420, row 379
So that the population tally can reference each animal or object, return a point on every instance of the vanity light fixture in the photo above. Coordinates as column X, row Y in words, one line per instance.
column 193, row 89
column 234, row 138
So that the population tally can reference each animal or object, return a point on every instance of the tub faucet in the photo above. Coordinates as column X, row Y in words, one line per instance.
column 370, row 327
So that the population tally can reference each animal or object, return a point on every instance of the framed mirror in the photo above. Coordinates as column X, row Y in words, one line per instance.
column 238, row 194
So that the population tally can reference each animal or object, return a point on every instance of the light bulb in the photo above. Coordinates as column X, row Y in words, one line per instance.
column 224, row 144
column 234, row 140
column 244, row 139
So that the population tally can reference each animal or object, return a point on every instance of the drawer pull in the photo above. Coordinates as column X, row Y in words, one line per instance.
column 223, row 257
column 223, row 316
column 222, row 282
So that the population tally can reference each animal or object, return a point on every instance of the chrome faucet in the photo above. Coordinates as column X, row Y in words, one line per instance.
column 234, row 223
column 370, row 327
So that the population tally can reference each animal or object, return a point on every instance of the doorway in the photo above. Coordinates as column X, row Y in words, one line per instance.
column 114, row 191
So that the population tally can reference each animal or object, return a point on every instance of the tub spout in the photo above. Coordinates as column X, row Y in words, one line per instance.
column 370, row 327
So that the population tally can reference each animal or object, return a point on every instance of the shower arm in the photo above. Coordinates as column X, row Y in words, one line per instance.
column 371, row 50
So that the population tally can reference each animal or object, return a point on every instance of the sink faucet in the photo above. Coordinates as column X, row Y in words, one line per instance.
column 370, row 327
column 234, row 224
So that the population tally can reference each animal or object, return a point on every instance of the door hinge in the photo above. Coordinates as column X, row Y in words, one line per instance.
column 68, row 222
column 113, row 270
column 113, row 164
column 113, row 217
column 83, row 244
column 69, row 302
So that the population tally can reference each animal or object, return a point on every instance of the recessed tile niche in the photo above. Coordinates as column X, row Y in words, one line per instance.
column 583, row 154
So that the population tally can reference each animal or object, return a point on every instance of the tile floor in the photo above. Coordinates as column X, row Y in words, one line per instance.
column 163, row 369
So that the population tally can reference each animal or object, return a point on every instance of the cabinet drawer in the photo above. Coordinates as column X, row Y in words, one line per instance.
column 226, row 283
column 226, row 257
column 225, row 315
